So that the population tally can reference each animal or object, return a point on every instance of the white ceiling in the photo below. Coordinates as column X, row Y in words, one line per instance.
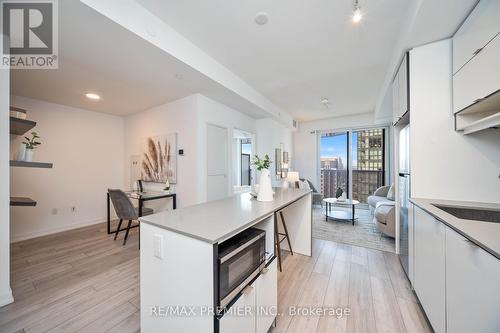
column 308, row 50
column 130, row 74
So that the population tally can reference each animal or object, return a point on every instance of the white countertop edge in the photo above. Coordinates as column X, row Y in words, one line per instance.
column 230, row 234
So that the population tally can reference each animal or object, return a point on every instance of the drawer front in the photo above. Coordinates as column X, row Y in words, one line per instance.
column 234, row 321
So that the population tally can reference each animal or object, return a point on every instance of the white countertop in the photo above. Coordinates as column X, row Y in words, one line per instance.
column 215, row 221
column 485, row 234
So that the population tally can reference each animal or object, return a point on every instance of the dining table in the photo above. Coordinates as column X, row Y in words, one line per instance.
column 141, row 197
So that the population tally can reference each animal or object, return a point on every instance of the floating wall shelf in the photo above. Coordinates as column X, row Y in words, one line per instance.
column 24, row 164
column 21, row 201
column 20, row 126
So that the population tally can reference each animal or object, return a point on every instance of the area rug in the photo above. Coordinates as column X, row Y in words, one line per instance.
column 363, row 233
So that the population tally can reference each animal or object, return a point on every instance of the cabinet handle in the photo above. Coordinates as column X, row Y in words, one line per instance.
column 477, row 51
column 264, row 270
column 247, row 290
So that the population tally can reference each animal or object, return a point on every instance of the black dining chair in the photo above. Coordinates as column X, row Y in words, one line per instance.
column 125, row 210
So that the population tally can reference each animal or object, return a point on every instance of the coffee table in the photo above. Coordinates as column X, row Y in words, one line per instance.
column 340, row 214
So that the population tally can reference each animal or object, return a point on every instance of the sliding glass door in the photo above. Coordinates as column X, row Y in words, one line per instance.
column 368, row 167
column 334, row 163
column 353, row 161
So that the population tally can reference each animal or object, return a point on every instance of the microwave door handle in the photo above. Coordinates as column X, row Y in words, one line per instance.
column 247, row 290
column 239, row 249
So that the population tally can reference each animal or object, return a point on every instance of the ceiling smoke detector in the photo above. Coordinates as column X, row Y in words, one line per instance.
column 261, row 18
column 325, row 102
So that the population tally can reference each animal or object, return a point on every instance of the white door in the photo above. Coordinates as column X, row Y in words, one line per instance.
column 217, row 157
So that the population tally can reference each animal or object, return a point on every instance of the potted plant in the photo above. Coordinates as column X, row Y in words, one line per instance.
column 30, row 145
column 265, row 186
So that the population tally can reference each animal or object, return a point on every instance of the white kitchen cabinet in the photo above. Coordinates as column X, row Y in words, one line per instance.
column 472, row 287
column 479, row 78
column 236, row 320
column 266, row 298
column 395, row 99
column 411, row 244
column 430, row 281
column 400, row 91
column 478, row 29
column 262, row 298
column 403, row 87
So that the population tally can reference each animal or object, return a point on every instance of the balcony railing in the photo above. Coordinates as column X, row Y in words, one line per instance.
column 364, row 182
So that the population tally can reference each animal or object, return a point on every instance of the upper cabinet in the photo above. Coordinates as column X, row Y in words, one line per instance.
column 400, row 103
column 476, row 69
column 482, row 25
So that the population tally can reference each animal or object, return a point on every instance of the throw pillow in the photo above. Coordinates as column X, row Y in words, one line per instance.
column 390, row 193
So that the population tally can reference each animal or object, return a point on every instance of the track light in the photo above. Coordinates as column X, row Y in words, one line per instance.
column 357, row 15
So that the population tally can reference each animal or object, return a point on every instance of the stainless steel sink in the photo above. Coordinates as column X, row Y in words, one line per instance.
column 469, row 213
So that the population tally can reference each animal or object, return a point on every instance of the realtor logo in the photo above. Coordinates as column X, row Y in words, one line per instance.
column 29, row 30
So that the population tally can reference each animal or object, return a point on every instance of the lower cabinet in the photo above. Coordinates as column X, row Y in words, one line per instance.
column 260, row 299
column 457, row 282
column 429, row 262
column 266, row 298
column 472, row 287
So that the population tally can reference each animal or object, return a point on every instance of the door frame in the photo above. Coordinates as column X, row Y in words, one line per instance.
column 253, row 153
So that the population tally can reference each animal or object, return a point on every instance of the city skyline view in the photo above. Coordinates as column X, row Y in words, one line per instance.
column 365, row 174
column 336, row 146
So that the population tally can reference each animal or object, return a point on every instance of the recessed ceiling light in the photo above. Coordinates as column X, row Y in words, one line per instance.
column 357, row 15
column 261, row 18
column 92, row 96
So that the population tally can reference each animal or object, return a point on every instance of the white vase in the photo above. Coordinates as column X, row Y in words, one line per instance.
column 28, row 155
column 21, row 152
column 265, row 187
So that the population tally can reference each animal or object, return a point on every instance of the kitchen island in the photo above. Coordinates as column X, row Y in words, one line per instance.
column 179, row 267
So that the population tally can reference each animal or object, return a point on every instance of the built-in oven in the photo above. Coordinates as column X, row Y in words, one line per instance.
column 240, row 259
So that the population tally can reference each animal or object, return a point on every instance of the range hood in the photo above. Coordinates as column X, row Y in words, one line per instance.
column 482, row 114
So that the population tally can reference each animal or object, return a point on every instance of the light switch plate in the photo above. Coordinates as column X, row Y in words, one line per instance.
column 158, row 246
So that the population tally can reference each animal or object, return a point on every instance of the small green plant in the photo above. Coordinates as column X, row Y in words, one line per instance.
column 32, row 143
column 261, row 163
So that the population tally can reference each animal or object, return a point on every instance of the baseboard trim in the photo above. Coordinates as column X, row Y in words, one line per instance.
column 22, row 237
column 6, row 298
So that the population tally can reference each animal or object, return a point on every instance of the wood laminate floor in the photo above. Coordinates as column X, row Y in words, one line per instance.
column 83, row 281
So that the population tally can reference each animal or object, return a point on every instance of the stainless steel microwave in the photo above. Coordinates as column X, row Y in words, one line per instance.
column 240, row 259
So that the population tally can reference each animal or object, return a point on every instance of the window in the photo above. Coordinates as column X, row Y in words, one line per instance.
column 353, row 161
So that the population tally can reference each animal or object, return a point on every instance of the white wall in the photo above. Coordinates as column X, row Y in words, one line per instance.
column 270, row 134
column 176, row 117
column 5, row 292
column 87, row 151
column 188, row 117
column 446, row 164
column 215, row 113
column 306, row 141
